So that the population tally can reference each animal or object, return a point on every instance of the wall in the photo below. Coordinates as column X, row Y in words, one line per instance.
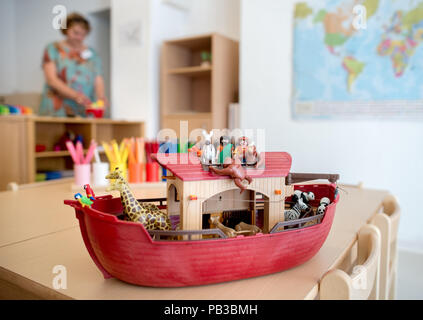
column 8, row 47
column 382, row 154
column 136, row 70
column 220, row 16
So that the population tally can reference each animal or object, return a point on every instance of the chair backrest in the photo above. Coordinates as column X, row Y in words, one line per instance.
column 387, row 221
column 363, row 282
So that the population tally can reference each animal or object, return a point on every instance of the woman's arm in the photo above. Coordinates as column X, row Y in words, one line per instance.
column 61, row 87
column 99, row 88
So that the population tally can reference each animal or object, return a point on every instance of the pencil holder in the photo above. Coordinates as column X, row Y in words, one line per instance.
column 121, row 165
column 82, row 173
column 152, row 171
column 100, row 171
column 135, row 172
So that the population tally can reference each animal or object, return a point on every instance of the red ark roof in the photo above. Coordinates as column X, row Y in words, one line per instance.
column 187, row 167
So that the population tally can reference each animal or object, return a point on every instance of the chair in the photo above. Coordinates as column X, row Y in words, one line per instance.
column 387, row 221
column 363, row 282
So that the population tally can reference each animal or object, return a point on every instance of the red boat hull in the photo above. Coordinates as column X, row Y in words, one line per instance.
column 125, row 250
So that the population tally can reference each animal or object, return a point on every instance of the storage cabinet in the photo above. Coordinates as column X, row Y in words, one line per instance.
column 19, row 160
column 196, row 92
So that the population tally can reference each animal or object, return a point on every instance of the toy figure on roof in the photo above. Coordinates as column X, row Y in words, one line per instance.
column 208, row 151
column 246, row 152
column 225, row 149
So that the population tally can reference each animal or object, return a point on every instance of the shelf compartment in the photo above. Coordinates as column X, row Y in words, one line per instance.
column 197, row 71
column 186, row 52
column 186, row 94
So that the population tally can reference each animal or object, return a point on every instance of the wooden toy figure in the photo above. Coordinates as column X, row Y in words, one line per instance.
column 89, row 192
column 146, row 213
column 83, row 200
column 234, row 169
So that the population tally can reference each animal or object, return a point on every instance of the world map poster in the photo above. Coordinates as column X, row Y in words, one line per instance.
column 358, row 59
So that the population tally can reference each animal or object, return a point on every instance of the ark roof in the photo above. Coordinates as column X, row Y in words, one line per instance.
column 187, row 167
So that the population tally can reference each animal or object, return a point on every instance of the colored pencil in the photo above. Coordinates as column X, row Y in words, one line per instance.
column 131, row 155
column 72, row 151
column 90, row 152
column 109, row 153
column 116, row 151
column 80, row 151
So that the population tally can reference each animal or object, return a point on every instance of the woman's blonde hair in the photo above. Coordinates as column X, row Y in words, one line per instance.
column 76, row 18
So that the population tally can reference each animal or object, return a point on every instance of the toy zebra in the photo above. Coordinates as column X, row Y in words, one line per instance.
column 324, row 202
column 304, row 197
column 295, row 212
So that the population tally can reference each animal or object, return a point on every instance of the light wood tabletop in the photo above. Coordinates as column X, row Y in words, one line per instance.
column 38, row 233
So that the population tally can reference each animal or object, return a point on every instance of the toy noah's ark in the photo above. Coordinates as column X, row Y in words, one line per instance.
column 195, row 253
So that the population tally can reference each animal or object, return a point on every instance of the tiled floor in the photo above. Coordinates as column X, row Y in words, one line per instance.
column 410, row 275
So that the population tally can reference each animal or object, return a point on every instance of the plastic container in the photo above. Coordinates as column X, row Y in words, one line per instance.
column 135, row 172
column 82, row 173
column 100, row 171
column 97, row 113
column 152, row 171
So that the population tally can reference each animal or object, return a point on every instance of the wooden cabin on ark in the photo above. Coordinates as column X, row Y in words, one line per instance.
column 193, row 192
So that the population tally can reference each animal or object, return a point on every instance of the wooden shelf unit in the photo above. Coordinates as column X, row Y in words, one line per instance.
column 198, row 94
column 20, row 162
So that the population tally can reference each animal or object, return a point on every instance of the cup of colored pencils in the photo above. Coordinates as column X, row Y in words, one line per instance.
column 152, row 168
column 117, row 155
column 135, row 159
column 82, row 167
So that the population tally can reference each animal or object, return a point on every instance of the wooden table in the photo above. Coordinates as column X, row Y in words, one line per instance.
column 38, row 232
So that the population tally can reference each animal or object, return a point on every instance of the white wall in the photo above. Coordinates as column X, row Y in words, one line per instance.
column 8, row 47
column 136, row 70
column 382, row 154
column 220, row 16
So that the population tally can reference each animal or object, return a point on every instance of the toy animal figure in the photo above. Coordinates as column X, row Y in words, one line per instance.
column 208, row 151
column 304, row 197
column 295, row 212
column 229, row 232
column 242, row 226
column 83, row 200
column 146, row 213
column 324, row 202
column 234, row 169
column 89, row 192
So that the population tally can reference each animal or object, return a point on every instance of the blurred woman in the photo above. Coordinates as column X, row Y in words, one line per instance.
column 72, row 71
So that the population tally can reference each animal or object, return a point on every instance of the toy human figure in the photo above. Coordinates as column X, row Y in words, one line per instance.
column 225, row 149
column 234, row 169
column 208, row 151
column 244, row 152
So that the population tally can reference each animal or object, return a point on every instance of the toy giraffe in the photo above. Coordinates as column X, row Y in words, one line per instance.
column 148, row 214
